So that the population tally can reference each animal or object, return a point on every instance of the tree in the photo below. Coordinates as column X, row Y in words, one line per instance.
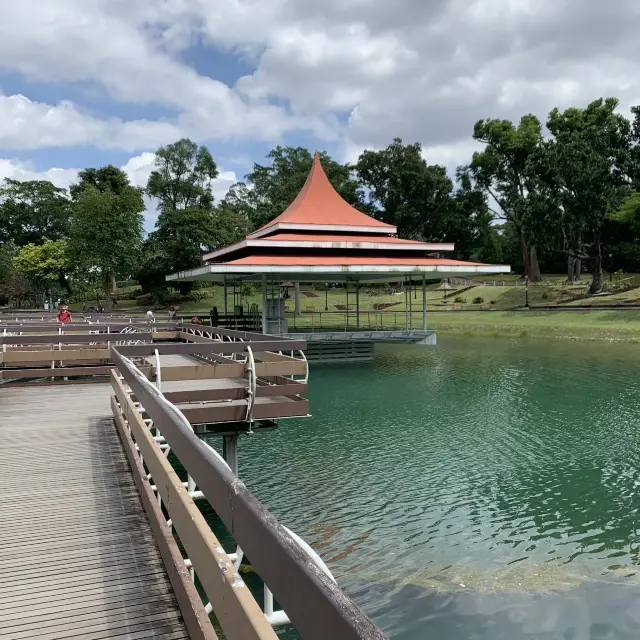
column 186, row 225
column 502, row 169
column 43, row 264
column 274, row 186
column 469, row 221
column 104, row 179
column 407, row 192
column 107, row 232
column 588, row 162
column 183, row 175
column 32, row 211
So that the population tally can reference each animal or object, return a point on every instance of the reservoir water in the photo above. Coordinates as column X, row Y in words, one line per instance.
column 481, row 489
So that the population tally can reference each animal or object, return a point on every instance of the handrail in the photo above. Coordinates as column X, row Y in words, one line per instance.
column 315, row 605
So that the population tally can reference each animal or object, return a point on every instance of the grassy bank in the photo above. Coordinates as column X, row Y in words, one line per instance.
column 566, row 325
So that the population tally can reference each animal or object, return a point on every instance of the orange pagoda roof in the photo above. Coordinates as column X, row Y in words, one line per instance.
column 321, row 237
column 319, row 207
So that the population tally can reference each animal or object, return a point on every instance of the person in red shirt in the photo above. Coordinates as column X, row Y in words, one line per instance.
column 63, row 314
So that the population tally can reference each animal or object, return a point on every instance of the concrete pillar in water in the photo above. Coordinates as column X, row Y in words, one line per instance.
column 230, row 451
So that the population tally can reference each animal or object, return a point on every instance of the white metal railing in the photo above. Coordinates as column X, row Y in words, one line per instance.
column 275, row 618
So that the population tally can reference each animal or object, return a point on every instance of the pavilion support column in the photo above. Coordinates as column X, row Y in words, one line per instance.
column 264, row 303
column 424, row 301
column 410, row 303
column 357, row 304
column 225, row 295
column 407, row 299
column 346, row 317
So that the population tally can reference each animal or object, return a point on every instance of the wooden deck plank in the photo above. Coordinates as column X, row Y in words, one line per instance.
column 77, row 556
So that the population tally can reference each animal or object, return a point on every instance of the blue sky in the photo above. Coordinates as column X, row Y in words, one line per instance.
column 93, row 82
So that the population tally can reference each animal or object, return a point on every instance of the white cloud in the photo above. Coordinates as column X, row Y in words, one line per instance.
column 25, row 124
column 424, row 71
column 23, row 171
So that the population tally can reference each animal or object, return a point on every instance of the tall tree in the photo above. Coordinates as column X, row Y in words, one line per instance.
column 108, row 178
column 407, row 192
column 107, row 232
column 271, row 188
column 588, row 160
column 469, row 221
column 502, row 169
column 32, row 211
column 181, row 183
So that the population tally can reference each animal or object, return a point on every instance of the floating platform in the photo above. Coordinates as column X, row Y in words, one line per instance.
column 356, row 346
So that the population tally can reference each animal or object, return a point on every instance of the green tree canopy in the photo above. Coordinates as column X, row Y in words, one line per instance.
column 183, row 175
column 186, row 225
column 107, row 232
column 418, row 198
column 586, row 168
column 31, row 211
column 502, row 169
column 43, row 264
column 107, row 178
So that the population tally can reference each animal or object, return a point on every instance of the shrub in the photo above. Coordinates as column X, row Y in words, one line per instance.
column 545, row 296
column 146, row 299
column 478, row 300
column 492, row 302
column 460, row 300
column 196, row 295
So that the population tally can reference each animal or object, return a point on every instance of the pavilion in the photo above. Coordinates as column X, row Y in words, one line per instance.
column 322, row 238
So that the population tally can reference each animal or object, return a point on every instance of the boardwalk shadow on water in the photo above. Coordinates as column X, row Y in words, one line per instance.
column 509, row 467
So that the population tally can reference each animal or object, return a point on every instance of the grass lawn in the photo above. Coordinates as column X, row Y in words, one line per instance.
column 499, row 320
column 623, row 325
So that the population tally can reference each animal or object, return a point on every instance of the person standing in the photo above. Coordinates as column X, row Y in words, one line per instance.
column 150, row 314
column 63, row 314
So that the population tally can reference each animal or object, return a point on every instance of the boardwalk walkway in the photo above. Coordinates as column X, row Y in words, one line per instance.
column 77, row 556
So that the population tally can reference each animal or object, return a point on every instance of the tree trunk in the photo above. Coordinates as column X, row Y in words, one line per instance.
column 534, row 267
column 578, row 271
column 525, row 254
column 597, row 284
column 571, row 267
column 297, row 298
column 108, row 288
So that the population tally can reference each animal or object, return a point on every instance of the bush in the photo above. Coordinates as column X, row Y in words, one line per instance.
column 492, row 302
column 146, row 299
column 460, row 300
column 545, row 296
column 478, row 300
column 196, row 295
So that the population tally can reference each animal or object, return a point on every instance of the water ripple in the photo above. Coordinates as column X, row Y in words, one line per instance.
column 448, row 485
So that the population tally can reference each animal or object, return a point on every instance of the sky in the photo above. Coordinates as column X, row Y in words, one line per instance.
column 92, row 82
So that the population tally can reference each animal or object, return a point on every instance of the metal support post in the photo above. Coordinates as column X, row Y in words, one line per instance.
column 346, row 318
column 424, row 301
column 264, row 303
column 410, row 304
column 357, row 304
column 407, row 297
column 230, row 451
column 225, row 296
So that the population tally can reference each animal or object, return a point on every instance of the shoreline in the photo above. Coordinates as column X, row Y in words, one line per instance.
column 575, row 326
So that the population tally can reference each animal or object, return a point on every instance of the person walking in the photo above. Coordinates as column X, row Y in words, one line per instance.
column 150, row 314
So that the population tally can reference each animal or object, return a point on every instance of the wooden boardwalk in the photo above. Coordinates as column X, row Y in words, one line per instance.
column 77, row 555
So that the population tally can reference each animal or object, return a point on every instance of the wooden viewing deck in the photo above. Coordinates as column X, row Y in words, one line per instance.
column 91, row 505
column 77, row 556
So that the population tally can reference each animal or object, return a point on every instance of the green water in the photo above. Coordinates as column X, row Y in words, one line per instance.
column 482, row 489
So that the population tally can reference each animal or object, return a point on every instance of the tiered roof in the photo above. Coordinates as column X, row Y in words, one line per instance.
column 321, row 236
